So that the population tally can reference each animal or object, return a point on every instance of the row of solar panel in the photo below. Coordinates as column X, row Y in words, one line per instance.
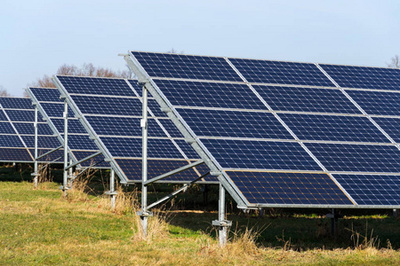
column 264, row 71
column 239, row 100
column 115, row 120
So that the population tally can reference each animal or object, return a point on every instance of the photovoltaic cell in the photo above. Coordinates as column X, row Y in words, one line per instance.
column 357, row 158
column 288, row 188
column 260, row 154
column 133, row 170
column 219, row 123
column 6, row 128
column 306, row 99
column 377, row 103
column 10, row 141
column 126, row 126
column 3, row 116
column 131, row 147
column 372, row 189
column 207, row 94
column 276, row 72
column 81, row 142
column 16, row 103
column 74, row 126
column 186, row 66
column 46, row 94
column 391, row 126
column 55, row 109
column 28, row 129
column 99, row 86
column 107, row 105
column 14, row 155
column 364, row 77
column 22, row 115
column 43, row 142
column 333, row 128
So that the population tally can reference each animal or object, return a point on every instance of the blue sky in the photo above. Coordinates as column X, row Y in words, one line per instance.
column 36, row 37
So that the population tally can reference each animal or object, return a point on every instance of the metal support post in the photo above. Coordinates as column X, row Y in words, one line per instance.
column 395, row 213
column 65, row 179
column 36, row 172
column 222, row 223
column 112, row 188
column 144, row 213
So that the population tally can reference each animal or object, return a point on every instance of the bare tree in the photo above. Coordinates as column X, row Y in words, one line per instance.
column 3, row 92
column 173, row 51
column 86, row 70
column 394, row 62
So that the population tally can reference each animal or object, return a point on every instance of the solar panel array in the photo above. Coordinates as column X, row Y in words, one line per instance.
column 285, row 133
column 17, row 136
column 111, row 109
column 80, row 145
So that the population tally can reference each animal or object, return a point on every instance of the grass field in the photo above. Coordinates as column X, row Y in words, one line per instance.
column 41, row 227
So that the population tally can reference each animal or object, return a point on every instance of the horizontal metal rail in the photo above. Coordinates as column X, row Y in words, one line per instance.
column 173, row 172
column 49, row 152
column 83, row 160
column 183, row 188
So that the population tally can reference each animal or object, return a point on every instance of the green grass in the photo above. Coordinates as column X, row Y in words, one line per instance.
column 41, row 227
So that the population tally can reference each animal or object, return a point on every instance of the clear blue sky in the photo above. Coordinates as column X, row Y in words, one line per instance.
column 36, row 37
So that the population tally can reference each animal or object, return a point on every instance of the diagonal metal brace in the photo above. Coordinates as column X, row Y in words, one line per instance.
column 49, row 152
column 183, row 188
column 173, row 172
column 84, row 160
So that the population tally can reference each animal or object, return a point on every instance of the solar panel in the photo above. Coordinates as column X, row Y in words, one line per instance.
column 297, row 99
column 17, row 131
column 115, row 123
column 277, row 72
column 285, row 134
column 364, row 77
column 50, row 105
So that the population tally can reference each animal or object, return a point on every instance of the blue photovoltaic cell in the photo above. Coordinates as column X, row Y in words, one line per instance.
column 276, row 72
column 74, row 125
column 186, row 66
column 377, row 103
column 137, row 87
column 99, row 86
column 131, row 147
column 372, row 189
column 108, row 105
column 288, row 188
column 6, row 128
column 46, row 95
column 15, row 155
column 81, row 142
column 260, row 154
column 19, row 115
column 357, row 158
column 306, row 99
column 234, row 124
column 28, row 129
column 364, row 77
column 155, row 108
column 133, row 170
column 16, row 103
column 333, row 128
column 3, row 116
column 55, row 109
column 10, row 141
column 391, row 126
column 187, row 149
column 170, row 127
column 207, row 94
column 121, row 126
column 43, row 142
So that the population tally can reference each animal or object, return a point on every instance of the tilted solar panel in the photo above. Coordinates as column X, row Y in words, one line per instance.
column 17, row 132
column 111, row 109
column 51, row 107
column 284, row 134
